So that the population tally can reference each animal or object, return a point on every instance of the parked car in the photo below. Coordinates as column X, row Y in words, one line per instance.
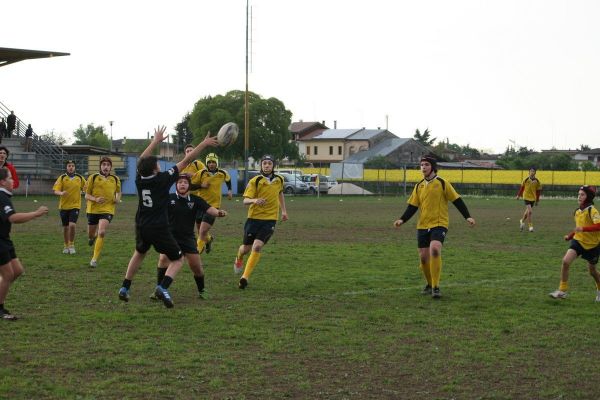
column 331, row 182
column 311, row 181
column 296, row 172
column 293, row 184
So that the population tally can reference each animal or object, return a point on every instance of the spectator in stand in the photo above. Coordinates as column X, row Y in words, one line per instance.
column 5, row 164
column 28, row 138
column 3, row 129
column 11, row 123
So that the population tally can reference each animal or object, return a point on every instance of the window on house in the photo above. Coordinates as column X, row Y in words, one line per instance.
column 330, row 150
column 316, row 151
column 339, row 150
column 308, row 150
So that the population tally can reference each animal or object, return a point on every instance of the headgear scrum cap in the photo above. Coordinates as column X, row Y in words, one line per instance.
column 590, row 193
column 431, row 160
column 212, row 157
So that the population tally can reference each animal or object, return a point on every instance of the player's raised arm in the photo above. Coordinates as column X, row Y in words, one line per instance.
column 159, row 136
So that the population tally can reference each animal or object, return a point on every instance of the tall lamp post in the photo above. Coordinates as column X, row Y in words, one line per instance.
column 111, row 143
column 246, row 111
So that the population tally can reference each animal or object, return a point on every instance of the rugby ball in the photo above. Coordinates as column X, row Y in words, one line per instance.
column 228, row 134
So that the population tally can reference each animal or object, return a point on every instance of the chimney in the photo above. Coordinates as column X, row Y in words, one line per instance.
column 334, row 124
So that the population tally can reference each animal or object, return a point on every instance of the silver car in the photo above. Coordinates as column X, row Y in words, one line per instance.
column 293, row 184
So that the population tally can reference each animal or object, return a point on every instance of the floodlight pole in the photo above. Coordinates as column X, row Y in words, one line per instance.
column 246, row 111
column 111, row 143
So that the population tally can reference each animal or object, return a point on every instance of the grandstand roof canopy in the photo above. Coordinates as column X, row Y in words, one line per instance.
column 9, row 56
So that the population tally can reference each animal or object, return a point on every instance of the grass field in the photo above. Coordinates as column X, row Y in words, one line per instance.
column 333, row 311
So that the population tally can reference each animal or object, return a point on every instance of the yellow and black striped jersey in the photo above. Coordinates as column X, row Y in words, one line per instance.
column 215, row 180
column 99, row 185
column 586, row 217
column 269, row 189
column 432, row 197
column 530, row 188
column 73, row 186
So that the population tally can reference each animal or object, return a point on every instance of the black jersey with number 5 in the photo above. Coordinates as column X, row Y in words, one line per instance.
column 153, row 198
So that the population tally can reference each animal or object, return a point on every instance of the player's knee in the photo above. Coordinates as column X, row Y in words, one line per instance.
column 257, row 248
column 17, row 272
column 435, row 252
column 6, row 274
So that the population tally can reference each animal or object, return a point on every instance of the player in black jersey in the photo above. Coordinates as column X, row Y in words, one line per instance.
column 151, row 219
column 183, row 208
column 10, row 266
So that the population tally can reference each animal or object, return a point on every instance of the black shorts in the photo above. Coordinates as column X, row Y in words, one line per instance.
column 590, row 255
column 258, row 229
column 425, row 236
column 159, row 237
column 7, row 255
column 205, row 217
column 187, row 244
column 93, row 219
column 529, row 203
column 67, row 216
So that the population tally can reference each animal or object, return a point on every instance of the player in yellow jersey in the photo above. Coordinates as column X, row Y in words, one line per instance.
column 192, row 168
column 431, row 196
column 210, row 181
column 103, row 192
column 585, row 241
column 264, row 196
column 69, row 187
column 530, row 189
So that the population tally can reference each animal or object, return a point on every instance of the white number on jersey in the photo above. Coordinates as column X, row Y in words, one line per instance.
column 146, row 199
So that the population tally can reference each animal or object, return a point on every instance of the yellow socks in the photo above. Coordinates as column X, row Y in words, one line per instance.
column 563, row 286
column 200, row 243
column 98, row 247
column 435, row 264
column 426, row 272
column 250, row 264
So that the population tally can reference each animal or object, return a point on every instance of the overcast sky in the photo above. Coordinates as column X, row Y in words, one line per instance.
column 479, row 72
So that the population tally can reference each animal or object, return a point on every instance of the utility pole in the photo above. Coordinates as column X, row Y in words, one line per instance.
column 111, row 143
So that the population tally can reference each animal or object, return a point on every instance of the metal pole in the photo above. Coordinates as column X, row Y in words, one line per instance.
column 246, row 113
column 111, row 143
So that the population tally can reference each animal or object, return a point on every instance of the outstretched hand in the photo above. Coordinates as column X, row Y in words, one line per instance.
column 159, row 133
column 42, row 210
column 471, row 221
column 210, row 141
column 398, row 223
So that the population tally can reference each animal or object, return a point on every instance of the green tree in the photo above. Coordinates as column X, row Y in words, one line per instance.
column 135, row 146
column 51, row 137
column 92, row 136
column 588, row 166
column 184, row 134
column 424, row 138
column 524, row 159
column 269, row 124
